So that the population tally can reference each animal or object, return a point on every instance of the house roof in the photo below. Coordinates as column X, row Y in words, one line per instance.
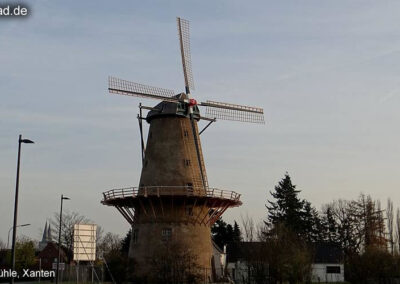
column 324, row 252
column 51, row 251
column 327, row 252
column 216, row 247
column 243, row 250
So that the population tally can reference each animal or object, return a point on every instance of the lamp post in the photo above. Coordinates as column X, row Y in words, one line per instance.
column 59, row 237
column 20, row 141
column 9, row 231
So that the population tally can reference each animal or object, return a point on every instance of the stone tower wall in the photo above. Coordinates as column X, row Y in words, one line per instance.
column 170, row 160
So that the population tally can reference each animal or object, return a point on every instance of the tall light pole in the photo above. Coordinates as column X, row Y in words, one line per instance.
column 9, row 231
column 59, row 237
column 20, row 141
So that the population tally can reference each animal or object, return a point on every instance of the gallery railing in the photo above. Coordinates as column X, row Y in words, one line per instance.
column 169, row 191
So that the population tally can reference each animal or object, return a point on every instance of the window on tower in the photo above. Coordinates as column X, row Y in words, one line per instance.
column 166, row 234
column 189, row 188
column 187, row 162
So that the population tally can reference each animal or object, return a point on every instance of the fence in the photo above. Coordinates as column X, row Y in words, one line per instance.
column 84, row 273
column 170, row 191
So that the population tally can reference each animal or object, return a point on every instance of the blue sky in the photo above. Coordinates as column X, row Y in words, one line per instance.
column 326, row 73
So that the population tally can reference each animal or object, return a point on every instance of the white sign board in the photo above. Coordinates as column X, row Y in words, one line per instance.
column 60, row 267
column 84, row 242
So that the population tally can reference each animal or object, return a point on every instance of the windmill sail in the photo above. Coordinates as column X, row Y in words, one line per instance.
column 227, row 111
column 184, row 40
column 128, row 88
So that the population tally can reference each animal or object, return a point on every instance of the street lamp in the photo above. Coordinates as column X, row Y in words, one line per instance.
column 59, row 236
column 8, row 239
column 20, row 141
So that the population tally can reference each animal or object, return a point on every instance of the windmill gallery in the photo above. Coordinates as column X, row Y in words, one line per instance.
column 173, row 201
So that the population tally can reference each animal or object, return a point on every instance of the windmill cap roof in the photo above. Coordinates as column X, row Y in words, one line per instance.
column 169, row 109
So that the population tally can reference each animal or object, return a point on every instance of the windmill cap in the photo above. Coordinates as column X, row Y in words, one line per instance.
column 170, row 109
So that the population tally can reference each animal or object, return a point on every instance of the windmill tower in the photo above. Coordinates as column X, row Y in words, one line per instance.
column 173, row 201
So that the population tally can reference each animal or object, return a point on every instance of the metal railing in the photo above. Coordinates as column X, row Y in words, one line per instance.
column 169, row 191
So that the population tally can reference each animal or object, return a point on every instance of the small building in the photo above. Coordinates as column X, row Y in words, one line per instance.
column 49, row 255
column 247, row 262
column 328, row 263
column 218, row 261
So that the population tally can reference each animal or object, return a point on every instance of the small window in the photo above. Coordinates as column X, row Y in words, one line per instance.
column 333, row 269
column 185, row 133
column 187, row 162
column 189, row 188
column 166, row 234
column 135, row 234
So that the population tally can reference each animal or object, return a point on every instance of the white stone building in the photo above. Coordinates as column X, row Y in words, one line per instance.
column 328, row 265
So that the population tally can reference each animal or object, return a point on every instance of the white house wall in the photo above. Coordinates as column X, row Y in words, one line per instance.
column 319, row 273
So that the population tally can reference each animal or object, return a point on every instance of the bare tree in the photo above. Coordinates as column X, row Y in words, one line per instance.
column 173, row 263
column 389, row 223
column 249, row 229
column 288, row 256
column 348, row 231
column 99, row 236
column 360, row 224
column 370, row 224
column 260, row 231
column 398, row 228
column 2, row 245
column 381, row 225
column 110, row 242
column 69, row 219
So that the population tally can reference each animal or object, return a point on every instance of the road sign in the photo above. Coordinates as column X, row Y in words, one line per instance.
column 60, row 267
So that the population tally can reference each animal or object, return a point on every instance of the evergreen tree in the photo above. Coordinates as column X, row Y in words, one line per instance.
column 223, row 233
column 229, row 233
column 331, row 226
column 126, row 242
column 308, row 218
column 237, row 234
column 219, row 232
column 314, row 229
column 287, row 208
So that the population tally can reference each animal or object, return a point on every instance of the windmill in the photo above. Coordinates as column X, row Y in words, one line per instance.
column 173, row 201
